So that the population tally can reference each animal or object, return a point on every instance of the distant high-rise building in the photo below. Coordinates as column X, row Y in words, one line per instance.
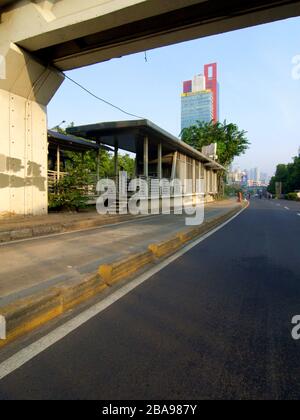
column 256, row 175
column 200, row 98
column 256, row 178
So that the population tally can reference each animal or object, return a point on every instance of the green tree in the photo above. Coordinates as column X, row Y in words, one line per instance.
column 127, row 163
column 288, row 176
column 231, row 141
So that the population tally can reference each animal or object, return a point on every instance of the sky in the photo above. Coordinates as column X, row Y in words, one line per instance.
column 257, row 90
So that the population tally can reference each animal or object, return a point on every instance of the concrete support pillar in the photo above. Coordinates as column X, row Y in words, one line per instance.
column 159, row 162
column 26, row 87
column 146, row 157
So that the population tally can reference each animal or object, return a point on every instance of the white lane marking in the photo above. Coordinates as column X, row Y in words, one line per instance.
column 28, row 353
column 286, row 208
column 298, row 214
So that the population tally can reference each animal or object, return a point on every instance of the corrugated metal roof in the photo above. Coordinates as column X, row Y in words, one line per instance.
column 126, row 133
column 73, row 143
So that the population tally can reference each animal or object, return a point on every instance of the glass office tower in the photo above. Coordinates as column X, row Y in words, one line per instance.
column 197, row 106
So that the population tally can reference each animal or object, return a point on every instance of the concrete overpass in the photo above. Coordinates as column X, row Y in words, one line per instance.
column 41, row 38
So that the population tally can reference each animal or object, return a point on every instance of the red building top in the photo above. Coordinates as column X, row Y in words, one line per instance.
column 211, row 75
column 187, row 86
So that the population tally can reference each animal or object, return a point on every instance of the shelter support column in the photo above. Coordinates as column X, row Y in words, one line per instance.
column 146, row 157
column 194, row 176
column 215, row 175
column 159, row 162
column 98, row 164
column 174, row 166
column 58, row 162
column 26, row 87
column 205, row 181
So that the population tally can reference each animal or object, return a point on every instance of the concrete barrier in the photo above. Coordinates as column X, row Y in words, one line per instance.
column 74, row 293
column 30, row 313
column 165, row 248
column 124, row 268
column 188, row 235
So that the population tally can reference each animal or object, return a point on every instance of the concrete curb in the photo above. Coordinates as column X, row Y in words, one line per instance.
column 55, row 228
column 27, row 314
column 125, row 267
column 165, row 248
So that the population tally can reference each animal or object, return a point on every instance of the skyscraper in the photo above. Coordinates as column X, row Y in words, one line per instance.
column 199, row 100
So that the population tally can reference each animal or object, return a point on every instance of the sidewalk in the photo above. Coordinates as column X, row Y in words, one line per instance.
column 34, row 265
column 23, row 227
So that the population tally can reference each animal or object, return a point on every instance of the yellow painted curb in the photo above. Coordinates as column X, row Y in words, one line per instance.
column 165, row 248
column 28, row 314
column 74, row 293
column 126, row 267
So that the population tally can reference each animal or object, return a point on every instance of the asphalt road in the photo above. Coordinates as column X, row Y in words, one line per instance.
column 214, row 324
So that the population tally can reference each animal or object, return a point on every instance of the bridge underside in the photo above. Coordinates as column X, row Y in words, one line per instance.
column 41, row 38
column 179, row 21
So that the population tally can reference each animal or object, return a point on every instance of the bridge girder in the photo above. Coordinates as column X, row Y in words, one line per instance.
column 71, row 33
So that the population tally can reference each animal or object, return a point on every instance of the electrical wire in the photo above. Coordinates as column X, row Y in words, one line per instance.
column 101, row 99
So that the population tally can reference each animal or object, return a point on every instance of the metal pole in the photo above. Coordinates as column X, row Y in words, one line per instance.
column 116, row 158
column 98, row 164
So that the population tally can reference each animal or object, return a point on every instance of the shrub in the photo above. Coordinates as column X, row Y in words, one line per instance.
column 69, row 193
column 292, row 197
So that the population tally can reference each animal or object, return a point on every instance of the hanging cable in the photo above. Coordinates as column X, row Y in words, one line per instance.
column 101, row 99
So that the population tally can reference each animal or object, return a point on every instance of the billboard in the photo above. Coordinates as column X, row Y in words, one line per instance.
column 210, row 151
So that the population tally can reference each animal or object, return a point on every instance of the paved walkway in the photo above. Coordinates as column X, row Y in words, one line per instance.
column 32, row 265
